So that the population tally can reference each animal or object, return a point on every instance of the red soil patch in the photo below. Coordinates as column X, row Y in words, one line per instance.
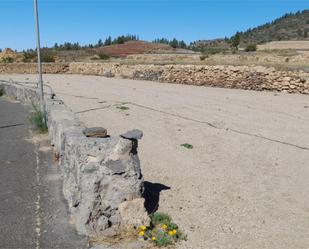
column 132, row 47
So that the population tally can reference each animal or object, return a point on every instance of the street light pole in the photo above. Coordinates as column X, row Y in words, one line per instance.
column 40, row 83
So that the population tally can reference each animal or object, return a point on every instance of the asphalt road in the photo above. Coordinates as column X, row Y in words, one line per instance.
column 32, row 211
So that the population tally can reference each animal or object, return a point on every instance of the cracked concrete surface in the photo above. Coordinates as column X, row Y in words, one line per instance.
column 245, row 182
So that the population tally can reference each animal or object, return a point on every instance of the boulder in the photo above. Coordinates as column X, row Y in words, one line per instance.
column 133, row 214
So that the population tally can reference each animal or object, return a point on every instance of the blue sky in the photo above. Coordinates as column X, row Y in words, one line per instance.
column 86, row 21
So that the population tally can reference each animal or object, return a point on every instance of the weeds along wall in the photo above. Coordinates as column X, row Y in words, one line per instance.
column 99, row 174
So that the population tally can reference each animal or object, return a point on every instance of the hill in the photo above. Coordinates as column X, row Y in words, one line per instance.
column 132, row 47
column 292, row 26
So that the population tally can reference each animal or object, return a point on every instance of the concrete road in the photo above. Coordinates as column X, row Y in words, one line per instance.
column 245, row 182
column 32, row 211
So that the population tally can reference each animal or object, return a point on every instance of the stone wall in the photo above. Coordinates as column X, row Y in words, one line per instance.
column 100, row 175
column 31, row 68
column 242, row 77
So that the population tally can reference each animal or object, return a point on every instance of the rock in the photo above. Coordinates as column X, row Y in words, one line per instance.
column 133, row 134
column 108, row 74
column 117, row 167
column 133, row 214
column 102, row 223
column 97, row 132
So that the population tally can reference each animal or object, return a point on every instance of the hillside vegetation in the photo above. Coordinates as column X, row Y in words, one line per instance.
column 292, row 26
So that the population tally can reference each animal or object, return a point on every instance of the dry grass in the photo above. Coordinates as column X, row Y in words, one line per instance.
column 296, row 45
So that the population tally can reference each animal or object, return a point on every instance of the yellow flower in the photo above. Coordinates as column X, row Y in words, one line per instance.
column 141, row 233
column 164, row 226
column 170, row 233
column 174, row 231
column 143, row 228
column 153, row 238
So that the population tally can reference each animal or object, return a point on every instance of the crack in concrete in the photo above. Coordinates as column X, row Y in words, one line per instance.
column 195, row 120
column 101, row 108
column 77, row 96
column 94, row 109
column 221, row 128
column 9, row 126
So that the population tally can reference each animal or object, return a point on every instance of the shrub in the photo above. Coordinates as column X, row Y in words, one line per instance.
column 162, row 231
column 160, row 218
column 47, row 58
column 234, row 50
column 204, row 57
column 103, row 56
column 29, row 56
column 7, row 60
column 251, row 48
column 38, row 119
column 287, row 60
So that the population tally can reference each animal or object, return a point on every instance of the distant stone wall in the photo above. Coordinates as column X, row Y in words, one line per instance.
column 102, row 180
column 242, row 77
column 31, row 68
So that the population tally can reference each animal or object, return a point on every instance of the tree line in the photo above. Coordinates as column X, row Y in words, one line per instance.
column 107, row 42
column 173, row 43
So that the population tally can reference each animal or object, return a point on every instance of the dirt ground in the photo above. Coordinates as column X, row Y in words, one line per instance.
column 245, row 182
column 297, row 45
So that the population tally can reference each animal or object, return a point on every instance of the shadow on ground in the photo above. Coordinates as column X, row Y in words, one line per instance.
column 152, row 195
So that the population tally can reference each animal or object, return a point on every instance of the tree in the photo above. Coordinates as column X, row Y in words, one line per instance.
column 108, row 41
column 182, row 44
column 100, row 43
column 235, row 40
column 174, row 43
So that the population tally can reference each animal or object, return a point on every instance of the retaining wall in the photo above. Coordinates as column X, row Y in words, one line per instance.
column 32, row 68
column 100, row 175
column 242, row 77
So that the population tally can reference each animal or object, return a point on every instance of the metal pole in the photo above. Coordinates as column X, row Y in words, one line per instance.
column 40, row 83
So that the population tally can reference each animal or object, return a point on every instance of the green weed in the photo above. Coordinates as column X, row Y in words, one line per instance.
column 37, row 119
column 187, row 146
column 123, row 108
column 162, row 231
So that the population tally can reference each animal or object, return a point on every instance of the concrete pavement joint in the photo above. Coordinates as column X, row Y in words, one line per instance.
column 9, row 126
column 269, row 139
column 219, row 128
column 94, row 109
